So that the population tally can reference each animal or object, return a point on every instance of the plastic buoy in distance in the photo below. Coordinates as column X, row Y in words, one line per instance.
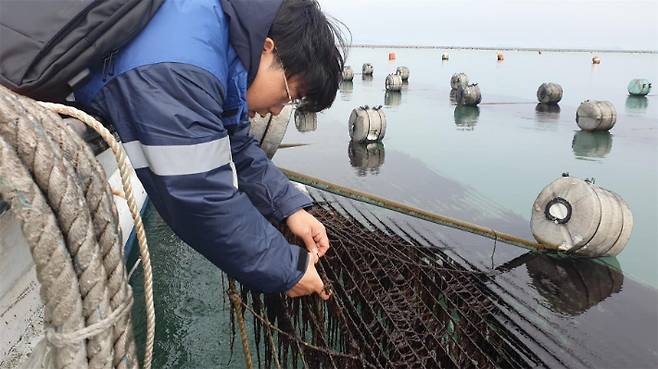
column 549, row 93
column 367, row 124
column 367, row 69
column 348, row 73
column 458, row 80
column 596, row 115
column 403, row 72
column 393, row 82
column 581, row 218
column 469, row 95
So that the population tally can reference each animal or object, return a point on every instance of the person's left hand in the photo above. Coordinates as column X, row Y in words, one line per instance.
column 310, row 230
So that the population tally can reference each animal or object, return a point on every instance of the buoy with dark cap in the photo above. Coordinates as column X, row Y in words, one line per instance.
column 639, row 87
column 469, row 95
column 393, row 82
column 500, row 56
column 306, row 121
column 582, row 218
column 549, row 93
column 596, row 115
column 403, row 72
column 348, row 73
column 367, row 69
column 458, row 80
column 596, row 60
column 445, row 56
column 367, row 124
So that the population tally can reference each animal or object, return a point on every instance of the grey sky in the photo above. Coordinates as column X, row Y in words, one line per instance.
column 592, row 24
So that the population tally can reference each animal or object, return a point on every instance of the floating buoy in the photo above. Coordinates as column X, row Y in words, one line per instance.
column 367, row 69
column 580, row 217
column 403, row 72
column 306, row 121
column 596, row 60
column 444, row 56
column 549, row 93
column 500, row 56
column 469, row 95
column 348, row 73
column 270, row 129
column 392, row 98
column 391, row 56
column 596, row 115
column 591, row 144
column 393, row 82
column 639, row 87
column 458, row 80
column 539, row 52
column 466, row 117
column 366, row 157
column 367, row 124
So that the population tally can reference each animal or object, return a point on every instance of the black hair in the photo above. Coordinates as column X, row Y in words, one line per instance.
column 311, row 46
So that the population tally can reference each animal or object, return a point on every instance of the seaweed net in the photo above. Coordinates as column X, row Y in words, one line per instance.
column 395, row 304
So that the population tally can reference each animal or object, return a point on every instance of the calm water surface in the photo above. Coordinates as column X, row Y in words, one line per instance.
column 488, row 164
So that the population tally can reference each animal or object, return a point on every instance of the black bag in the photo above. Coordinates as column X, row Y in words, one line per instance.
column 46, row 46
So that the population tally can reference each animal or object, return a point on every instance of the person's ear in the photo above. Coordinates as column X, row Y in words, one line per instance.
column 268, row 46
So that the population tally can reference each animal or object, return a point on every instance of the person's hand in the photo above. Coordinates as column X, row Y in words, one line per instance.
column 310, row 230
column 310, row 282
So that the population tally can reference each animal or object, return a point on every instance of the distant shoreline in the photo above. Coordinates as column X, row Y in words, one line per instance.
column 373, row 46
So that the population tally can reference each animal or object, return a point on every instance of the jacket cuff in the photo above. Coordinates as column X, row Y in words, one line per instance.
column 291, row 204
column 302, row 265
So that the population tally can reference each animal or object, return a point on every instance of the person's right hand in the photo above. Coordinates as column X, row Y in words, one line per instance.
column 310, row 282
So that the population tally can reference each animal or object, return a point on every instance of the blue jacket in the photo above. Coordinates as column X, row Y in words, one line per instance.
column 176, row 95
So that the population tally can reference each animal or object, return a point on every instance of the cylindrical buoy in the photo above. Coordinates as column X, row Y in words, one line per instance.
column 367, row 69
column 580, row 217
column 391, row 56
column 466, row 117
column 591, row 144
column 469, row 95
column 500, row 56
column 458, row 80
column 366, row 157
column 403, row 72
column 367, row 124
column 269, row 130
column 393, row 82
column 596, row 115
column 445, row 56
column 639, row 87
column 596, row 60
column 392, row 98
column 348, row 73
column 549, row 93
column 306, row 121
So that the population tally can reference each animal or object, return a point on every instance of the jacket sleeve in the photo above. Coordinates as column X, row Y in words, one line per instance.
column 169, row 117
column 269, row 189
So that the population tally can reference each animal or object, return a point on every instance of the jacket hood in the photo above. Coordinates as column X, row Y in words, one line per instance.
column 249, row 23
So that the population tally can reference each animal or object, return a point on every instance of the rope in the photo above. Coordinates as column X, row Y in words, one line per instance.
column 125, row 170
column 415, row 212
column 237, row 307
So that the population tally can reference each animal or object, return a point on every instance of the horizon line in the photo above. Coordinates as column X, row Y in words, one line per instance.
column 507, row 48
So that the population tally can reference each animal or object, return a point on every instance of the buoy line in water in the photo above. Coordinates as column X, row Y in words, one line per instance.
column 59, row 194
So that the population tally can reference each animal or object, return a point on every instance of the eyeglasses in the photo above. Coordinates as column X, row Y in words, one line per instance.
column 295, row 103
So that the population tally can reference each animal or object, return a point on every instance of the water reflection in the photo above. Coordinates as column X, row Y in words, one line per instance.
column 466, row 117
column 392, row 98
column 573, row 285
column 591, row 144
column 367, row 79
column 453, row 96
column 306, row 121
column 346, row 88
column 405, row 85
column 367, row 158
column 547, row 112
column 636, row 103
